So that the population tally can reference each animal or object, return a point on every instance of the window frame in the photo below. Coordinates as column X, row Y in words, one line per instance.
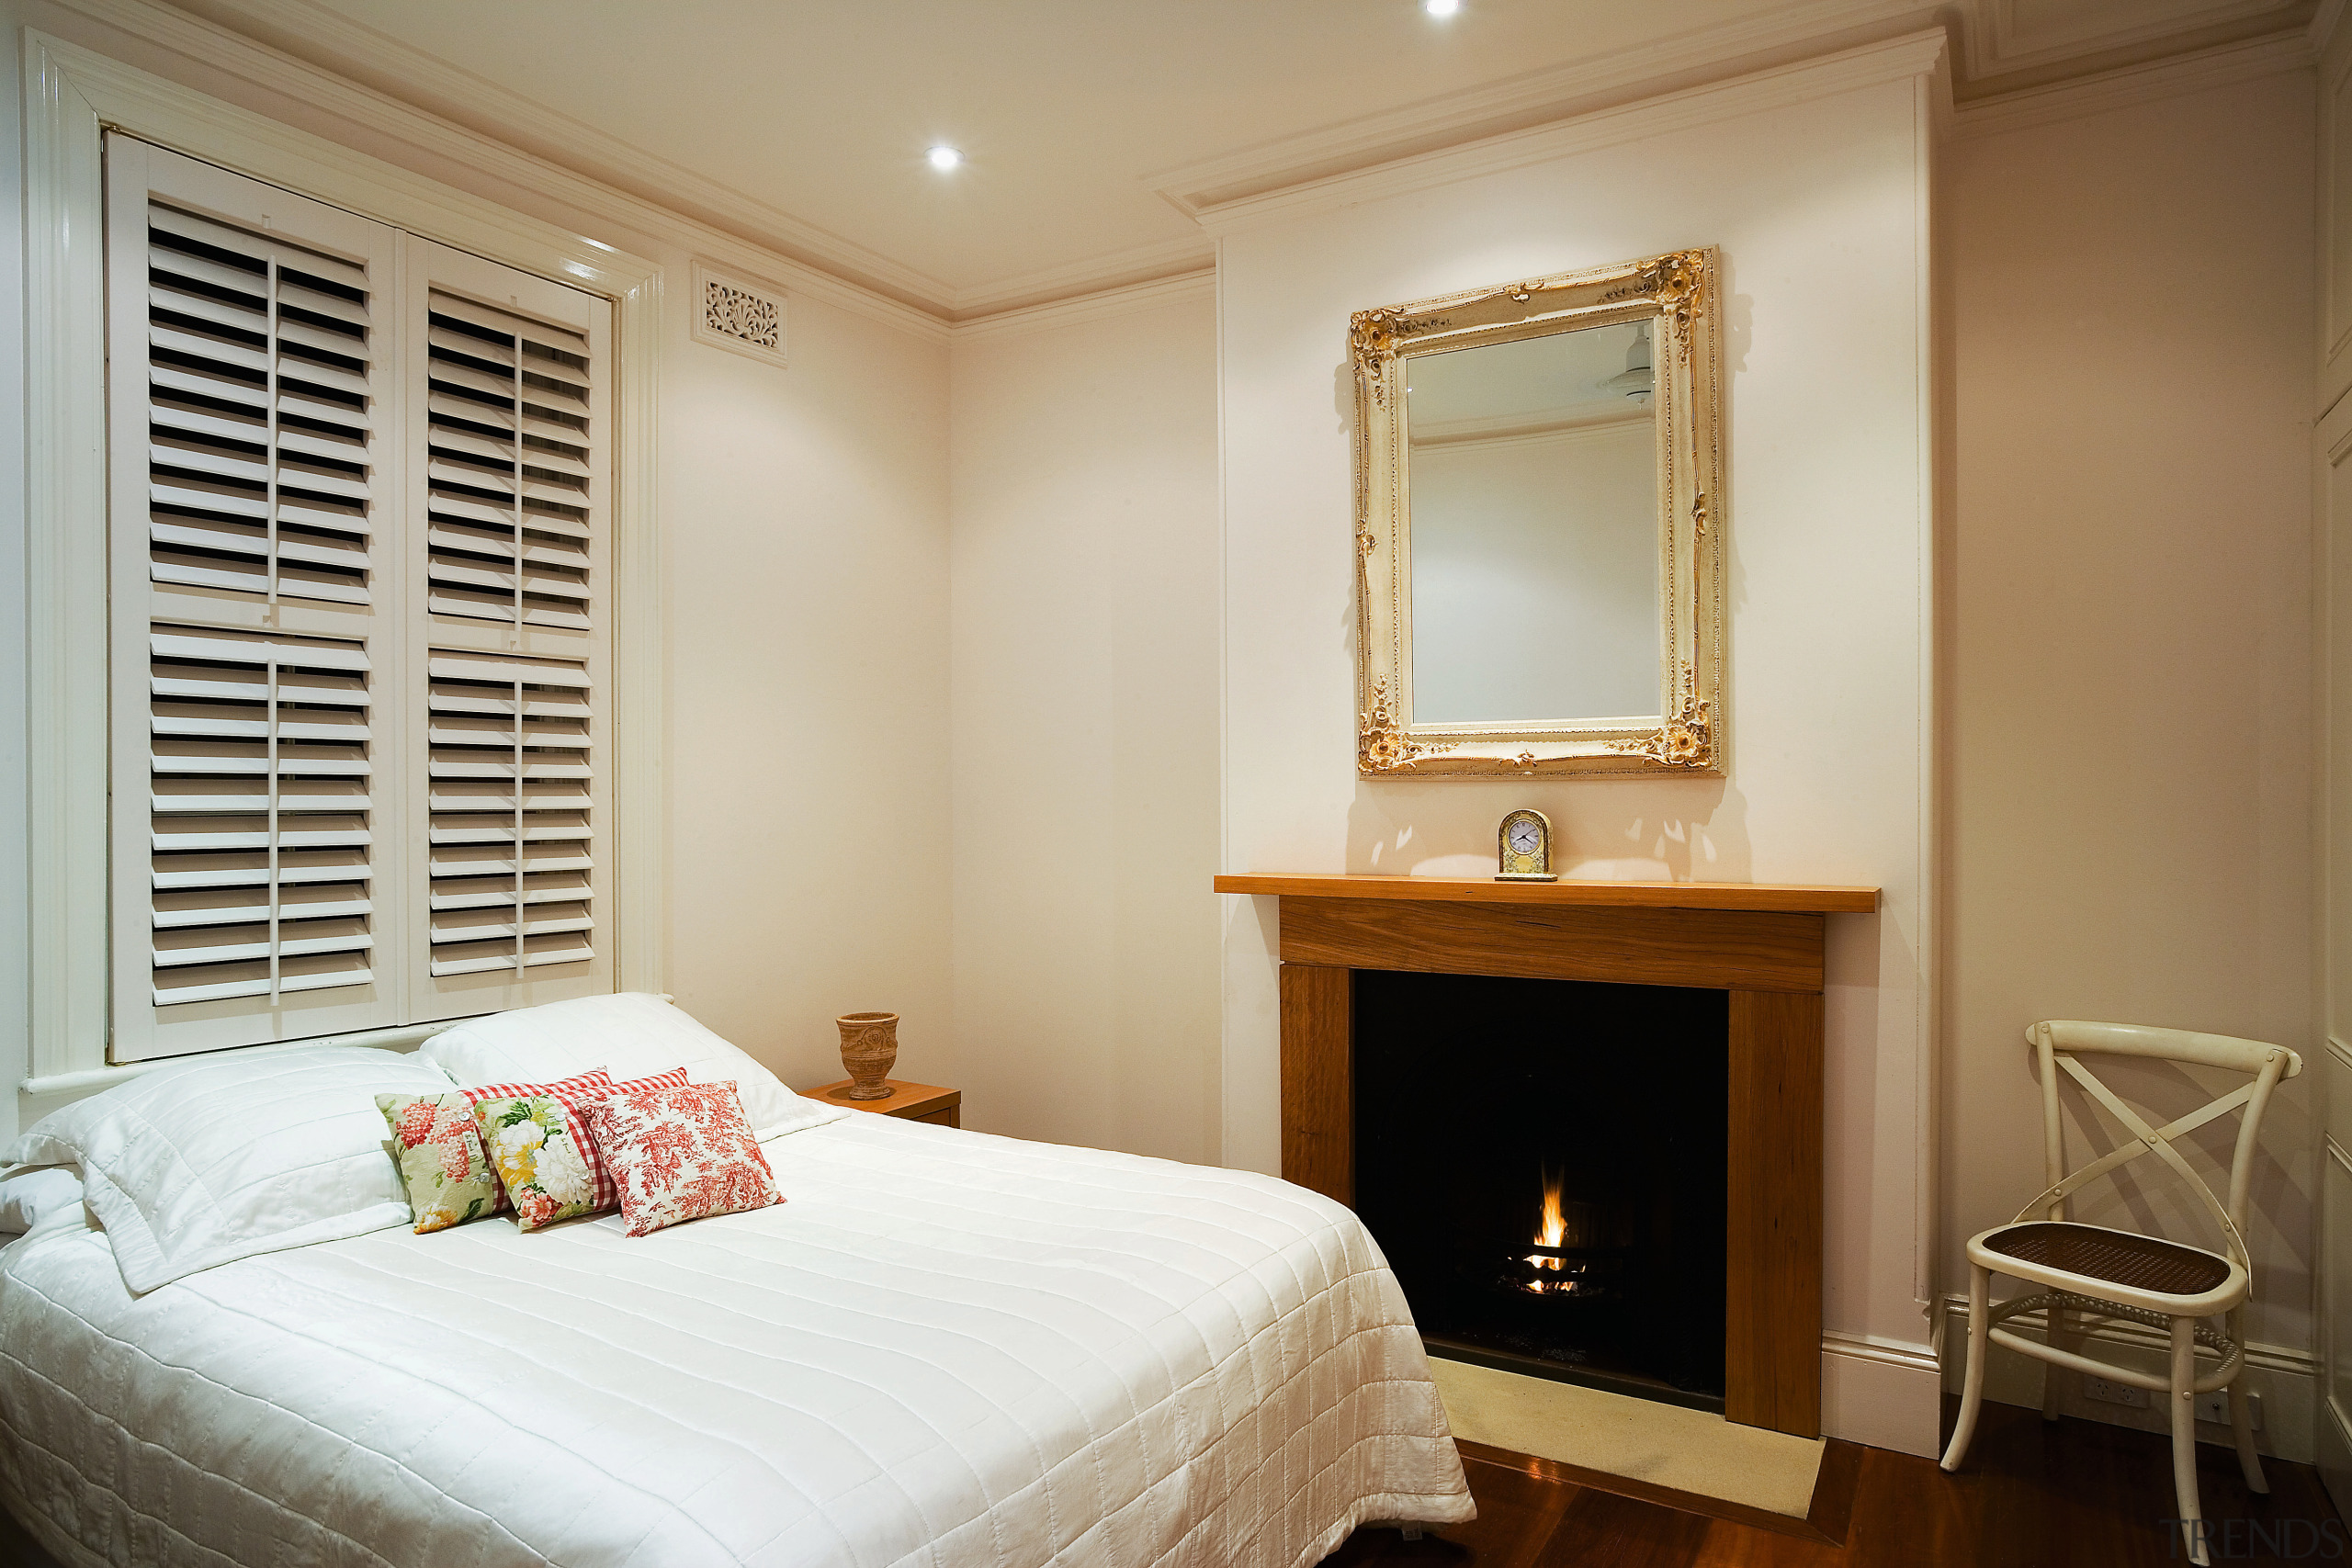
column 72, row 94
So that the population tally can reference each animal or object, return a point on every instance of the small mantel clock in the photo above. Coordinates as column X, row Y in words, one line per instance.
column 1523, row 843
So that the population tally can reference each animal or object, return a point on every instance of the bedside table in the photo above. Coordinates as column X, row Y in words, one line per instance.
column 913, row 1102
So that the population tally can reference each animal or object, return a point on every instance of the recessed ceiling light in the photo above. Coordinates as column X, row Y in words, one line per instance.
column 944, row 157
column 1440, row 7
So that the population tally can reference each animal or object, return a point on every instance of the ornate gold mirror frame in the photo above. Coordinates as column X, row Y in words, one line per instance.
column 1678, row 293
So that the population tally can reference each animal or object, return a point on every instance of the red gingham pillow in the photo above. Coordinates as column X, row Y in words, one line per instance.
column 681, row 1152
column 587, row 1086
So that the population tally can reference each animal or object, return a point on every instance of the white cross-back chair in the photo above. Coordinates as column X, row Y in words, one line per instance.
column 2093, row 1272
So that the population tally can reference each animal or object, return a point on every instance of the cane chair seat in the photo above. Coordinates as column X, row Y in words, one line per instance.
column 2143, row 1263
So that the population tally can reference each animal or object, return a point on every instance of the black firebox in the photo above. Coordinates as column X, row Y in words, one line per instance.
column 1544, row 1162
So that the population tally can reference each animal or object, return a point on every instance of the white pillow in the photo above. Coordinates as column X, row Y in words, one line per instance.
column 632, row 1035
column 29, row 1196
column 209, row 1160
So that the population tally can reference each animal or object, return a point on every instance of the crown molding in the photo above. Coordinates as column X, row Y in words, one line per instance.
column 2328, row 39
column 1994, row 47
column 407, row 74
column 1540, row 98
column 111, row 94
column 2274, row 55
column 338, row 67
column 1160, row 259
column 361, row 53
column 1200, row 284
column 208, row 44
column 1914, row 54
column 2322, row 25
column 409, row 100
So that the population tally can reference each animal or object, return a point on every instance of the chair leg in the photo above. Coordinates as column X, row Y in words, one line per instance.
column 1971, row 1393
column 2184, row 1436
column 2242, row 1428
column 2050, row 1370
column 2242, row 1412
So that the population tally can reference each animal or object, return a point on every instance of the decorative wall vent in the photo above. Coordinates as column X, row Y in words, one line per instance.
column 727, row 308
column 734, row 314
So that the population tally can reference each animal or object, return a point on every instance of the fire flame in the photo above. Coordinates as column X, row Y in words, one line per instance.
column 1555, row 1225
column 1550, row 1231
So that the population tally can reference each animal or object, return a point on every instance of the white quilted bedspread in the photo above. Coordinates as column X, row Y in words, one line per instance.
column 944, row 1348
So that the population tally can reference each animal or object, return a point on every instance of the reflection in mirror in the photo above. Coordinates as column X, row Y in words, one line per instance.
column 1533, row 480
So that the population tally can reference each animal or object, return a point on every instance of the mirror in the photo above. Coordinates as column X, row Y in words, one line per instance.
column 1533, row 469
column 1540, row 541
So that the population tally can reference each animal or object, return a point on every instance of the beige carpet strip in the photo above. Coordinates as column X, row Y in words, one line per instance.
column 1640, row 1440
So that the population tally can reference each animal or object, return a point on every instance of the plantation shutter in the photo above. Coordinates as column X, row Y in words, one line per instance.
column 254, row 608
column 513, row 451
column 360, row 640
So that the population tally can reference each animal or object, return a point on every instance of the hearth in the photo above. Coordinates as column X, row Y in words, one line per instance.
column 1756, row 946
column 1545, row 1164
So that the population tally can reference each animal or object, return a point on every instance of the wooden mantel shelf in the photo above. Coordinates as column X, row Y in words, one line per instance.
column 1755, row 897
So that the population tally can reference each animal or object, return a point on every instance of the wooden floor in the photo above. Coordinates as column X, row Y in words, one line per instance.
column 2076, row 1494
column 2070, row 1495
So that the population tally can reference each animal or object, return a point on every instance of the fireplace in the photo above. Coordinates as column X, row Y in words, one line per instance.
column 1755, row 948
column 1543, row 1164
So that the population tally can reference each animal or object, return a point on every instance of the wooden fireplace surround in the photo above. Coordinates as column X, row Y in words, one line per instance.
column 1761, row 942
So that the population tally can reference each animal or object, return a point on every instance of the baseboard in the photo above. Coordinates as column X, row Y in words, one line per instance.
column 1882, row 1394
column 2287, row 1379
column 2332, row 1443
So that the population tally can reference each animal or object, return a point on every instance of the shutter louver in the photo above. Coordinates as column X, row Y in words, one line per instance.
column 513, row 829
column 260, row 806
column 260, row 418
column 507, row 466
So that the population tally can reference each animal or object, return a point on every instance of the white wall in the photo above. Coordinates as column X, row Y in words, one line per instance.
column 2131, row 728
column 1818, row 205
column 1085, row 705
column 807, row 525
column 803, row 529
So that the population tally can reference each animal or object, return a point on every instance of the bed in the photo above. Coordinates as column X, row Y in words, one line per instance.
column 943, row 1348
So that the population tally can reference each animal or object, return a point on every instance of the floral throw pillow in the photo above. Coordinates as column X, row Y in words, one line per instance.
column 539, row 1156
column 440, row 1153
column 571, row 1092
column 681, row 1152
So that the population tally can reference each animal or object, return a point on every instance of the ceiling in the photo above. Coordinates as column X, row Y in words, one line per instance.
column 1094, row 131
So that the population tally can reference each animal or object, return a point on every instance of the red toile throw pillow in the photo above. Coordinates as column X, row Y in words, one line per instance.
column 680, row 1152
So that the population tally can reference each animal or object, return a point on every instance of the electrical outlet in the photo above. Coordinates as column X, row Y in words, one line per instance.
column 2115, row 1392
column 2214, row 1407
